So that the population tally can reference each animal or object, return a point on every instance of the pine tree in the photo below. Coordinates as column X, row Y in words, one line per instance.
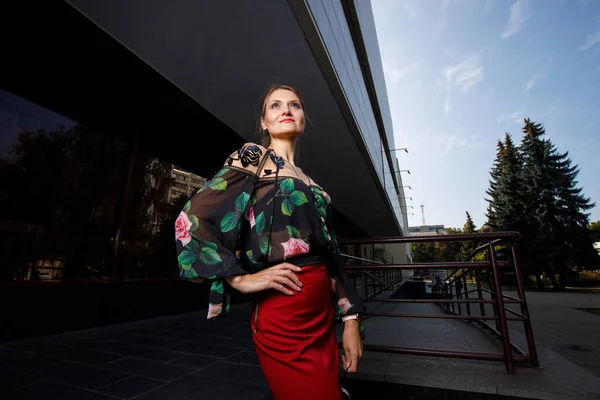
column 554, row 219
column 506, row 189
column 493, row 191
column 468, row 247
column 492, row 220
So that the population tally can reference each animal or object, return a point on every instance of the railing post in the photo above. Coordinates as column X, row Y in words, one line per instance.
column 524, row 309
column 450, row 286
column 508, row 359
column 479, row 291
column 458, row 305
column 466, row 289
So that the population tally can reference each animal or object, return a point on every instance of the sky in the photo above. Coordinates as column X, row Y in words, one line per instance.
column 462, row 73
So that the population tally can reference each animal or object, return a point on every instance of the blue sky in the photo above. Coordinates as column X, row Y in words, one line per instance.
column 462, row 73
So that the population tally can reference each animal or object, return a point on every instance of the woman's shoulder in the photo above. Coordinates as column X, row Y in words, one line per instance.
column 248, row 158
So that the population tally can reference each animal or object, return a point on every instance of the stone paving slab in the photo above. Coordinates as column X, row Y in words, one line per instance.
column 187, row 357
column 558, row 378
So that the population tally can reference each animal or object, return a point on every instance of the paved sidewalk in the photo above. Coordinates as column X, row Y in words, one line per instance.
column 558, row 377
column 175, row 358
column 561, row 324
column 187, row 357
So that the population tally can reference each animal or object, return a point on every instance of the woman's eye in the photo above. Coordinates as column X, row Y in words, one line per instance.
column 275, row 105
column 295, row 105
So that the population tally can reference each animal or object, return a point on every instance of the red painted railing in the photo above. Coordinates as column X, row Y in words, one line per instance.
column 387, row 275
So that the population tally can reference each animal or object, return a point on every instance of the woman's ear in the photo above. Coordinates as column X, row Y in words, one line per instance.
column 262, row 124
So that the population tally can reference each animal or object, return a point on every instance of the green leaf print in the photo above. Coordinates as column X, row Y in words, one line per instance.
column 187, row 206
column 186, row 266
column 287, row 207
column 293, row 232
column 222, row 171
column 202, row 188
column 209, row 256
column 264, row 244
column 298, row 198
column 210, row 244
column 241, row 202
column 287, row 186
column 249, row 254
column 229, row 221
column 194, row 220
column 260, row 222
column 189, row 274
column 253, row 200
column 217, row 286
column 186, row 257
column 218, row 184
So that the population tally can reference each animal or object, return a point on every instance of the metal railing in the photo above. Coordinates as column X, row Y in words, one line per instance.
column 385, row 276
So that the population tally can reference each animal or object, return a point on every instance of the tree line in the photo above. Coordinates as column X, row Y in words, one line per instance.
column 71, row 182
column 533, row 189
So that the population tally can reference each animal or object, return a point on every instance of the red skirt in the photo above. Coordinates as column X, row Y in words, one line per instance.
column 294, row 337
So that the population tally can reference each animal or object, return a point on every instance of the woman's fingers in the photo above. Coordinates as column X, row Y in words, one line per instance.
column 351, row 359
column 279, row 287
column 292, row 277
column 289, row 266
column 284, row 280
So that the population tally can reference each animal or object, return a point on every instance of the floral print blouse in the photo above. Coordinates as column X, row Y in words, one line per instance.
column 254, row 213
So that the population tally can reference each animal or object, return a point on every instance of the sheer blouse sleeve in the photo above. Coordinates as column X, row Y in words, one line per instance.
column 207, row 232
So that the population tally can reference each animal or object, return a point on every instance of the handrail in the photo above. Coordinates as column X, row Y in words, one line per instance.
column 361, row 259
column 387, row 278
column 434, row 238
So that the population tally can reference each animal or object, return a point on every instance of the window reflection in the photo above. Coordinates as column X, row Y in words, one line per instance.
column 67, row 196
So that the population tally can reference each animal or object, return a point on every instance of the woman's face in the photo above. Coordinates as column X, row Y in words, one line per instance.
column 284, row 116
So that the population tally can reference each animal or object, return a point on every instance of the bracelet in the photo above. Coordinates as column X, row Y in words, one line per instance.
column 351, row 317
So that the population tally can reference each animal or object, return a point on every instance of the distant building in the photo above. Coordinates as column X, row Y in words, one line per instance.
column 184, row 183
column 597, row 246
column 427, row 230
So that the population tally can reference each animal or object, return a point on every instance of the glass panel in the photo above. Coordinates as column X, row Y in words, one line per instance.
column 67, row 195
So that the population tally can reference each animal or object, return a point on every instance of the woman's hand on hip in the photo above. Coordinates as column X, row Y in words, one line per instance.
column 353, row 347
column 280, row 277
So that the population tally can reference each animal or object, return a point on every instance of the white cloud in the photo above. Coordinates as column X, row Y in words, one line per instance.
column 540, row 75
column 519, row 14
column 447, row 107
column 591, row 41
column 466, row 74
column 514, row 118
column 395, row 74
column 411, row 10
column 452, row 143
column 531, row 83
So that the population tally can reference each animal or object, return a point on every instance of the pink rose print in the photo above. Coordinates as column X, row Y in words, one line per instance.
column 294, row 247
column 343, row 305
column 182, row 226
column 250, row 216
column 214, row 310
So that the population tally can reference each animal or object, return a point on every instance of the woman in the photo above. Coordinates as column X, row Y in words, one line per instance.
column 264, row 227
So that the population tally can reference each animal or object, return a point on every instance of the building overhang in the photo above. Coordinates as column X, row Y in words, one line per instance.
column 186, row 77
